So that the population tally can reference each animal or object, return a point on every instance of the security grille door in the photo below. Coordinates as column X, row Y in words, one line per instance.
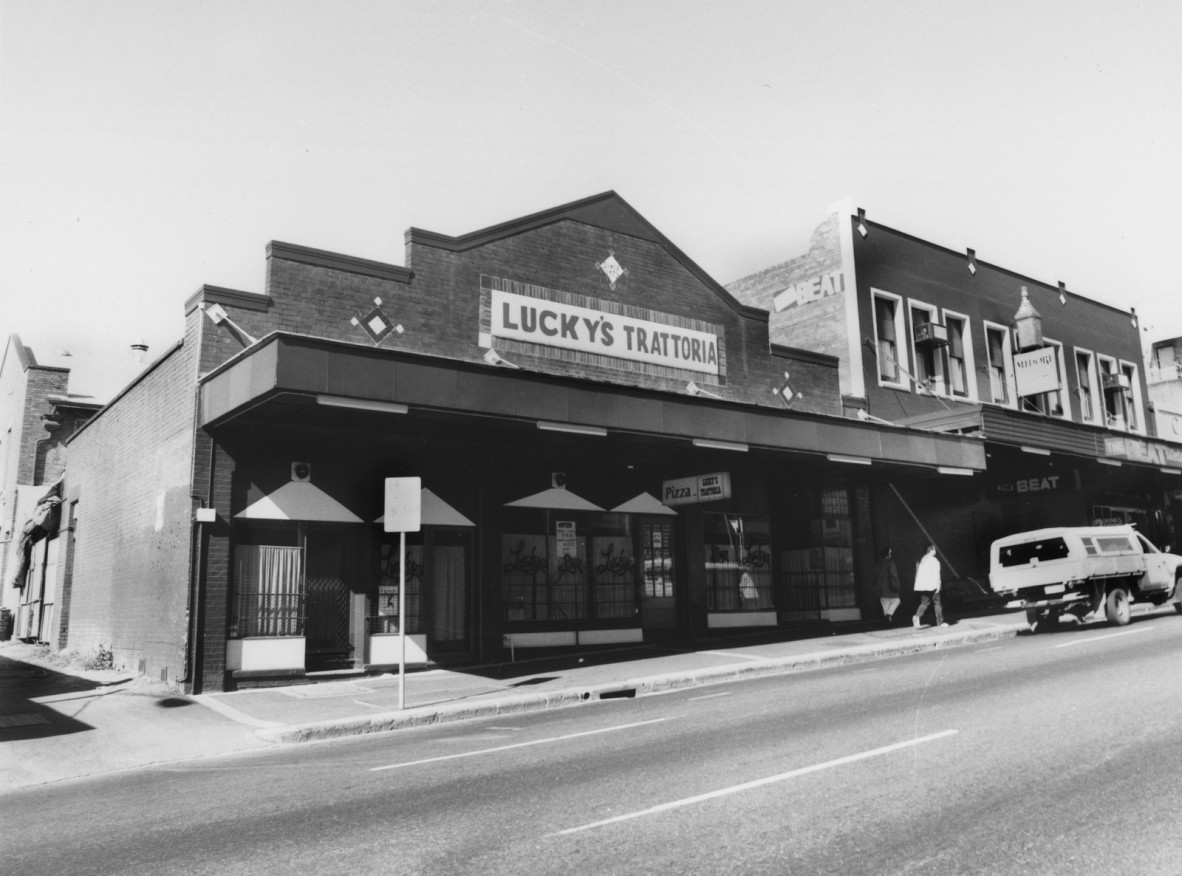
column 327, row 595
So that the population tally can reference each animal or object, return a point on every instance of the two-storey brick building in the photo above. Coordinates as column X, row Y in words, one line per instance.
column 612, row 448
column 931, row 338
column 45, row 397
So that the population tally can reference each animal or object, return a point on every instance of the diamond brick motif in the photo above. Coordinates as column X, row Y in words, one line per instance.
column 376, row 325
column 612, row 269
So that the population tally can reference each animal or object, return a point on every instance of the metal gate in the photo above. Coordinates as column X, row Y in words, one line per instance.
column 327, row 600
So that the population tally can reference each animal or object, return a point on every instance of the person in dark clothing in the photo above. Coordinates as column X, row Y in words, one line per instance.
column 887, row 578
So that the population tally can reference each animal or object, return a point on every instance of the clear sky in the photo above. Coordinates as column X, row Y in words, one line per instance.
column 148, row 147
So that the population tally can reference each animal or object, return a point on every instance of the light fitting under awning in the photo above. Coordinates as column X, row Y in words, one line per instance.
column 555, row 499
column 435, row 512
column 299, row 500
column 644, row 503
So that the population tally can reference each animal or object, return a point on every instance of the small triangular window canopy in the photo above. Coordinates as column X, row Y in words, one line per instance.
column 299, row 500
column 435, row 512
column 644, row 503
column 555, row 499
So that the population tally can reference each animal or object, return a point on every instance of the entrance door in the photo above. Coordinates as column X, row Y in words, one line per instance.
column 658, row 607
column 326, row 594
column 449, row 619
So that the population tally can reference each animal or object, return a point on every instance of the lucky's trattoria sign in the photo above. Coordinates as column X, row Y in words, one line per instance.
column 602, row 331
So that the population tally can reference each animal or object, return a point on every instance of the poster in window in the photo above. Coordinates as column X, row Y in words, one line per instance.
column 566, row 538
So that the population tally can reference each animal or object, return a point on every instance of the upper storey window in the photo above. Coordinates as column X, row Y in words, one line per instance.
column 959, row 354
column 888, row 329
column 1000, row 365
column 1085, row 375
column 1121, row 391
column 928, row 339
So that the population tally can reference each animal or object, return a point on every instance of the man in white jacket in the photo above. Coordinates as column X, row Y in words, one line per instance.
column 927, row 585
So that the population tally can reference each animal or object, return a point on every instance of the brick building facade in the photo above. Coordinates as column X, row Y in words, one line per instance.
column 932, row 338
column 38, row 416
column 611, row 448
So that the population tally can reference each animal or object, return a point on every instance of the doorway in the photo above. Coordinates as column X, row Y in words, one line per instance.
column 327, row 595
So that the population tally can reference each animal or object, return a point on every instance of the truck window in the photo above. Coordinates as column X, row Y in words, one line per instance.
column 1042, row 550
column 1113, row 544
column 1147, row 544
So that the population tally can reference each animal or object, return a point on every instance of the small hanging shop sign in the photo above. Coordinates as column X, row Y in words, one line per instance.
column 701, row 488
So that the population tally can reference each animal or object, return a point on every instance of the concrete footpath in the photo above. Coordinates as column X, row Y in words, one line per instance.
column 59, row 723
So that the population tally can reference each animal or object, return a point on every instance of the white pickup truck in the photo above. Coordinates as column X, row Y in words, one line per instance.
column 1081, row 570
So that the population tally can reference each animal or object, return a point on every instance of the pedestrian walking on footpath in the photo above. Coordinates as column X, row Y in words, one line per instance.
column 927, row 585
column 887, row 578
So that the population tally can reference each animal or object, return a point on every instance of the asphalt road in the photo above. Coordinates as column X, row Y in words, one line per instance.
column 1052, row 753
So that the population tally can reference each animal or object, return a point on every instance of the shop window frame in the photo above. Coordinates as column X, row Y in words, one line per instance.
column 745, row 584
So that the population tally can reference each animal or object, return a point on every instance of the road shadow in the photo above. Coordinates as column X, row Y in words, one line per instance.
column 21, row 716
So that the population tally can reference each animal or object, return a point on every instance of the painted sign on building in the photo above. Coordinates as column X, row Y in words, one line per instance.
column 1150, row 452
column 599, row 328
column 807, row 291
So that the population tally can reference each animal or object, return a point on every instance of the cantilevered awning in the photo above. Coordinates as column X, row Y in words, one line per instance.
column 555, row 499
column 288, row 381
column 643, row 503
column 299, row 500
column 435, row 512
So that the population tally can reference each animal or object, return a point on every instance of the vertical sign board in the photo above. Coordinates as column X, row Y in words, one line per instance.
column 403, row 514
column 404, row 505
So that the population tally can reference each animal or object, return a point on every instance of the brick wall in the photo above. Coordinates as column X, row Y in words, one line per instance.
column 438, row 306
column 130, row 471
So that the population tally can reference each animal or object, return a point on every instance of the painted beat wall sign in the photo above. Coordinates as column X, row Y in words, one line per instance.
column 586, row 330
column 808, row 291
column 1137, row 450
column 1037, row 371
column 703, row 488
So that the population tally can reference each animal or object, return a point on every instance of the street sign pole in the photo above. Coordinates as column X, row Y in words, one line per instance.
column 403, row 514
column 401, row 620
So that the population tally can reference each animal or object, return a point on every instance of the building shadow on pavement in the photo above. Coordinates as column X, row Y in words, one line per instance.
column 24, row 687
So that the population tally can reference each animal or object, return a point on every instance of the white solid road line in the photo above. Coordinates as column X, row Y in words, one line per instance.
column 759, row 783
column 395, row 766
column 710, row 696
column 1086, row 640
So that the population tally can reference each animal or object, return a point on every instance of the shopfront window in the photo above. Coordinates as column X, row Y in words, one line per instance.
column 558, row 566
column 268, row 586
column 738, row 562
column 656, row 540
column 384, row 618
column 817, row 566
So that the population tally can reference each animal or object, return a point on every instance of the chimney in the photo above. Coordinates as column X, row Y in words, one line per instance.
column 139, row 349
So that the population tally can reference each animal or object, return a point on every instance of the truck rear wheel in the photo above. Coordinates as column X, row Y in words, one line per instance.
column 1118, row 607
